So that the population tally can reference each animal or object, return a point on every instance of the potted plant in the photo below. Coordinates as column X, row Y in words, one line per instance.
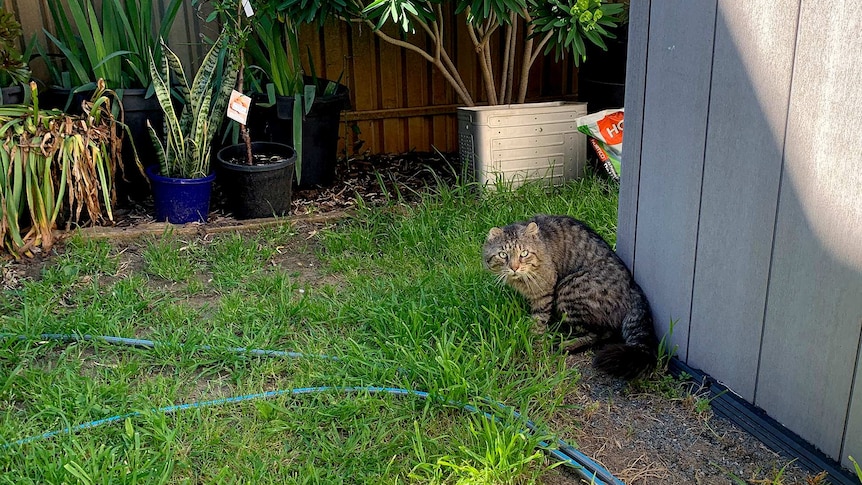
column 290, row 107
column 257, row 176
column 602, row 80
column 540, row 26
column 14, row 73
column 304, row 110
column 111, row 43
column 54, row 165
column 182, row 180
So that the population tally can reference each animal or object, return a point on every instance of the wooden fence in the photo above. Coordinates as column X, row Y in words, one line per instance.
column 399, row 102
column 741, row 200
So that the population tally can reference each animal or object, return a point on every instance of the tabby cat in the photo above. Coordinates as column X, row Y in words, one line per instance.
column 565, row 270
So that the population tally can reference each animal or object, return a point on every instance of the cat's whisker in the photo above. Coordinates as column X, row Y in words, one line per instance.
column 536, row 280
column 540, row 279
column 501, row 278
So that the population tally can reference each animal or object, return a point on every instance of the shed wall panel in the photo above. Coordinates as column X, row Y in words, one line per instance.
column 740, row 187
column 676, row 100
column 814, row 309
column 634, row 103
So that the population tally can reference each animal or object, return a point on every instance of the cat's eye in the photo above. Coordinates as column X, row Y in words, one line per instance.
column 502, row 255
column 524, row 253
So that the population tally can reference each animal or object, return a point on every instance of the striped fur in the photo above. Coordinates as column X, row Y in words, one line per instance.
column 567, row 272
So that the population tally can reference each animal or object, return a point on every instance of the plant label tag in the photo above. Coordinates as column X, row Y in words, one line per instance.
column 237, row 107
column 246, row 4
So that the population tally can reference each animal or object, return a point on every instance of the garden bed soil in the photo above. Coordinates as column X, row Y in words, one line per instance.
column 643, row 434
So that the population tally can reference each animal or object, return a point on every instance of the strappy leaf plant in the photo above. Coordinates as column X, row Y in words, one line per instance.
column 110, row 44
column 52, row 163
column 185, row 151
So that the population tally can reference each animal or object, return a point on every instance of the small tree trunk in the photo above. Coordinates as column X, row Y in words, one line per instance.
column 243, row 130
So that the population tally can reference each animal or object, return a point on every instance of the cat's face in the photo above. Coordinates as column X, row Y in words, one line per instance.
column 513, row 253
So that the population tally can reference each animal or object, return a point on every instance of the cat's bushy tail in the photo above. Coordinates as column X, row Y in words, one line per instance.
column 637, row 354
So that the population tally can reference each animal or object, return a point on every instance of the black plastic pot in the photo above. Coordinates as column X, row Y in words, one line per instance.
column 13, row 95
column 64, row 99
column 138, row 109
column 319, row 131
column 254, row 191
column 271, row 123
column 320, row 138
column 602, row 78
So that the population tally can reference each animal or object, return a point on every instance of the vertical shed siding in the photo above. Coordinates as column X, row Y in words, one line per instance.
column 636, row 72
column 765, row 240
column 674, row 130
column 814, row 312
column 740, row 189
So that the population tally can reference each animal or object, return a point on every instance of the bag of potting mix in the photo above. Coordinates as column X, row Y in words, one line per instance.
column 604, row 130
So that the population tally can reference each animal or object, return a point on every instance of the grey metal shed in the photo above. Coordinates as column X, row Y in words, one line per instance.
column 741, row 200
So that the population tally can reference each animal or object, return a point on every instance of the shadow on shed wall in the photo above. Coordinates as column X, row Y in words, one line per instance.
column 741, row 203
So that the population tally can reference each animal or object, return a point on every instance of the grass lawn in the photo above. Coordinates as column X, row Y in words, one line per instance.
column 398, row 296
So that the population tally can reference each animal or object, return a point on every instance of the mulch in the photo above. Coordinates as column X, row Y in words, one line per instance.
column 374, row 179
column 371, row 179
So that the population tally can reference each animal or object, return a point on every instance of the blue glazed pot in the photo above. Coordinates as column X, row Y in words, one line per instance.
column 179, row 201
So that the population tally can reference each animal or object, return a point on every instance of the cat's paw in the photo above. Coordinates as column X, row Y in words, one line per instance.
column 574, row 345
column 540, row 327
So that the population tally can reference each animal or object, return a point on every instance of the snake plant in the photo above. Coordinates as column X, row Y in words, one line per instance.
column 185, row 151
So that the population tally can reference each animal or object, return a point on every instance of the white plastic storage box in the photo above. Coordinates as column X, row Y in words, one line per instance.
column 519, row 142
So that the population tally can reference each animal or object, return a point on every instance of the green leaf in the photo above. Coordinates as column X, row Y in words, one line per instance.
column 297, row 135
column 78, row 472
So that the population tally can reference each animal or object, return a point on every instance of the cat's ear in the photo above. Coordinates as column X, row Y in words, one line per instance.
column 532, row 229
column 493, row 233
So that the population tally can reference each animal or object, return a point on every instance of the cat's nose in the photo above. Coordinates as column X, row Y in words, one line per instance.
column 514, row 265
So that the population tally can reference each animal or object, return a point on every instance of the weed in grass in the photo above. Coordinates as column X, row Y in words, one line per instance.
column 143, row 463
column 86, row 256
column 773, row 477
column 665, row 351
column 504, row 454
column 776, row 476
column 857, row 468
column 820, row 479
column 164, row 258
column 699, row 401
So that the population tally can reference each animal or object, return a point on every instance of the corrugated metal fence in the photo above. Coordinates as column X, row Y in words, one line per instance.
column 399, row 101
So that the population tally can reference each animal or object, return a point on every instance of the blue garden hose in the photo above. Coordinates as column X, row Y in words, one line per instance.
column 568, row 455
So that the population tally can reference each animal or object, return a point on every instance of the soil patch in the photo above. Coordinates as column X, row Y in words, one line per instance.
column 665, row 435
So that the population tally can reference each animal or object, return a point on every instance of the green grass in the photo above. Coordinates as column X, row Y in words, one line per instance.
column 407, row 304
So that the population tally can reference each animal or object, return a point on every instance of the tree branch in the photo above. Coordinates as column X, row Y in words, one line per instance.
column 461, row 92
column 526, row 62
column 484, row 59
column 508, row 76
